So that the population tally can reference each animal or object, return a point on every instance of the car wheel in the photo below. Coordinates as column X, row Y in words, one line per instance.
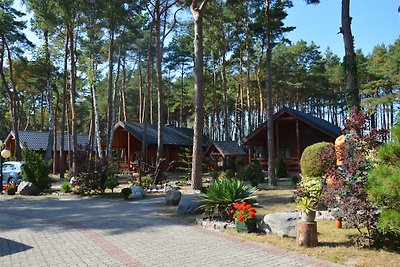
column 12, row 181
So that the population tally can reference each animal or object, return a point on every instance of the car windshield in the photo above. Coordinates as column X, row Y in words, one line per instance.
column 9, row 167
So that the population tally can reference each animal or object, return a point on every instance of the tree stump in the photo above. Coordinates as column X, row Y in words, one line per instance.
column 306, row 234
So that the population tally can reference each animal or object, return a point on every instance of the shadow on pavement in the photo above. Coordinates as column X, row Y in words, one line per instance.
column 9, row 247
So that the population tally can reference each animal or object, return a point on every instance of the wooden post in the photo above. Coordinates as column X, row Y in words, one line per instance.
column 129, row 150
column 306, row 234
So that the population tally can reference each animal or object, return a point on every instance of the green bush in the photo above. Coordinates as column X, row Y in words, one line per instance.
column 220, row 195
column 36, row 170
column 125, row 192
column 66, row 187
column 310, row 164
column 280, row 168
column 253, row 172
column 295, row 179
column 111, row 183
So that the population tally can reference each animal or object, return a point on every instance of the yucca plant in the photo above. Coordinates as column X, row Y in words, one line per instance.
column 222, row 194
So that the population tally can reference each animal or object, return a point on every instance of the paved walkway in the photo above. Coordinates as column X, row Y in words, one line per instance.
column 109, row 232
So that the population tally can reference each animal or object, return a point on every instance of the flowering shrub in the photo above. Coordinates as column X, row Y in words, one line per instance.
column 243, row 212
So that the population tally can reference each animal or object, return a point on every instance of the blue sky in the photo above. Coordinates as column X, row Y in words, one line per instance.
column 372, row 23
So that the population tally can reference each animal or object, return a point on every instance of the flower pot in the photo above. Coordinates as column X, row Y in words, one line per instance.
column 246, row 227
column 308, row 217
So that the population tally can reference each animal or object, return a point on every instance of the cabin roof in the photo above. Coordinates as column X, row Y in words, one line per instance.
column 37, row 140
column 227, row 148
column 172, row 135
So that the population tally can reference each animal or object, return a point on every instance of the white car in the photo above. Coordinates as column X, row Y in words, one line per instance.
column 12, row 172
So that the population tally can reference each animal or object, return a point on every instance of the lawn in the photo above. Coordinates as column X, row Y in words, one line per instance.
column 334, row 243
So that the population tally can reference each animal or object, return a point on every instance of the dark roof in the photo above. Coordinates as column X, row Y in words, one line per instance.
column 38, row 140
column 172, row 135
column 227, row 148
column 318, row 123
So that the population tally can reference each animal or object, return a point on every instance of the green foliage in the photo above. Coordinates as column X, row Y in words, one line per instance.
column 310, row 163
column 383, row 187
column 92, row 173
column 125, row 192
column 111, row 183
column 36, row 170
column 147, row 181
column 306, row 205
column 185, row 162
column 66, row 187
column 222, row 194
column 252, row 172
column 311, row 188
column 229, row 174
column 280, row 168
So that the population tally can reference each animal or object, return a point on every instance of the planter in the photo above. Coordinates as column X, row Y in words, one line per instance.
column 246, row 227
column 308, row 217
column 338, row 223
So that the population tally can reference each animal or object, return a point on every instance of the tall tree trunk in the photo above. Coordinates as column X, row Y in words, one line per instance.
column 182, row 93
column 55, row 132
column 224, row 89
column 141, row 92
column 270, row 109
column 110, row 107
column 353, row 99
column 49, row 99
column 72, row 97
column 160, row 96
column 123, row 90
column 64, row 107
column 197, row 158
column 12, row 94
column 248, row 95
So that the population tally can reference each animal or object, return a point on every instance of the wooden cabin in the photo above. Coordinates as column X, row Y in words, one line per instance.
column 129, row 136
column 222, row 155
column 37, row 141
column 293, row 132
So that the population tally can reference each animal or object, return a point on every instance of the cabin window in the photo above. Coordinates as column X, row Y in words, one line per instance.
column 285, row 152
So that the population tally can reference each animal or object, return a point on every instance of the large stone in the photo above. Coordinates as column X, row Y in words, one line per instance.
column 189, row 204
column 27, row 188
column 172, row 197
column 137, row 192
column 282, row 224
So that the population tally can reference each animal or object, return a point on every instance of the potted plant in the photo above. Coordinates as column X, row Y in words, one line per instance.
column 10, row 189
column 307, row 207
column 244, row 215
column 307, row 196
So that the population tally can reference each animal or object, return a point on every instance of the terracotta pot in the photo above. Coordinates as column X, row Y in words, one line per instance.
column 338, row 223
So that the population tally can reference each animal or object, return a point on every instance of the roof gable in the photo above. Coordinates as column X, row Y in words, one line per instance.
column 318, row 123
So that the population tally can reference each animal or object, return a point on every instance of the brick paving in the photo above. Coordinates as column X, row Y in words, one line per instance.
column 39, row 231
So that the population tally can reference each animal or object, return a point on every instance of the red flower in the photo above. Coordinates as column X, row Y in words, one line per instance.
column 243, row 212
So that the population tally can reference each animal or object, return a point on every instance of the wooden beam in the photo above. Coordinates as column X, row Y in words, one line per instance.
column 277, row 138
